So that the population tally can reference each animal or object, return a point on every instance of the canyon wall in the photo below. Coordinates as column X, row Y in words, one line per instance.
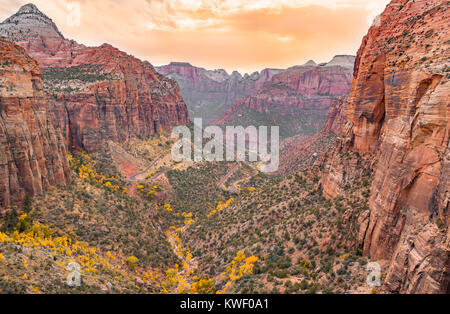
column 336, row 117
column 297, row 99
column 101, row 92
column 299, row 87
column 32, row 151
column 398, row 121
column 209, row 93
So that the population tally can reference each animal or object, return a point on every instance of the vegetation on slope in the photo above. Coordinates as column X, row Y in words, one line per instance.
column 305, row 121
column 305, row 242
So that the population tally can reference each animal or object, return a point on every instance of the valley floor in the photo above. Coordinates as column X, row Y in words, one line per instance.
column 150, row 225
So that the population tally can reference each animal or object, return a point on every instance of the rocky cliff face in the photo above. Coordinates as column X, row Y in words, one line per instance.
column 298, row 98
column 336, row 117
column 208, row 94
column 32, row 152
column 398, row 120
column 27, row 23
column 101, row 92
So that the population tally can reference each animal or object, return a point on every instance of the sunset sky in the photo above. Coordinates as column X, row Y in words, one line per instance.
column 244, row 35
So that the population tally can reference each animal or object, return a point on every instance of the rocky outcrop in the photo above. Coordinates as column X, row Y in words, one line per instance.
column 208, row 94
column 420, row 263
column 342, row 166
column 101, row 93
column 298, row 98
column 342, row 60
column 32, row 151
column 336, row 117
column 398, row 120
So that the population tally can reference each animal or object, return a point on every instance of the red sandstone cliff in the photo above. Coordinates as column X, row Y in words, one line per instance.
column 299, row 87
column 32, row 152
column 297, row 99
column 336, row 117
column 208, row 94
column 398, row 120
column 102, row 93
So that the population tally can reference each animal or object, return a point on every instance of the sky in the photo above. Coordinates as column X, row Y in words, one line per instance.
column 243, row 35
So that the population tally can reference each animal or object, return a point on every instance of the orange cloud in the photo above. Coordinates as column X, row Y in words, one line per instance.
column 247, row 35
column 258, row 39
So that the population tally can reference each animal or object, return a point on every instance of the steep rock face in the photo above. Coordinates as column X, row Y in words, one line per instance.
column 299, row 87
column 32, row 152
column 107, row 94
column 302, row 94
column 336, row 117
column 420, row 263
column 208, row 94
column 341, row 166
column 398, row 119
column 102, row 93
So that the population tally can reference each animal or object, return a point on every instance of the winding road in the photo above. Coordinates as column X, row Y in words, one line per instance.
column 134, row 178
column 234, row 186
column 221, row 183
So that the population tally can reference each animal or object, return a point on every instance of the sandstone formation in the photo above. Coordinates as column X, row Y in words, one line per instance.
column 398, row 121
column 342, row 60
column 208, row 94
column 101, row 93
column 297, row 99
column 336, row 117
column 32, row 152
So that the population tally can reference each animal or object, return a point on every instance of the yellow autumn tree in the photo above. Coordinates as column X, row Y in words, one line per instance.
column 204, row 286
column 240, row 267
column 132, row 262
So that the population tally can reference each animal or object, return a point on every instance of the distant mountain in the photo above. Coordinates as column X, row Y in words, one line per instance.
column 345, row 61
column 28, row 23
column 296, row 99
column 102, row 93
column 209, row 93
